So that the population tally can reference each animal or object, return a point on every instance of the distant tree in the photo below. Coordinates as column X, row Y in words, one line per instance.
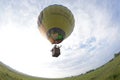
column 90, row 71
column 117, row 54
column 111, row 60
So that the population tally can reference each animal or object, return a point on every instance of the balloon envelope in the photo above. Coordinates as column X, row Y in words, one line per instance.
column 56, row 22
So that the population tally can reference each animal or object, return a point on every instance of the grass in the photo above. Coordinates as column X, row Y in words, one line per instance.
column 109, row 71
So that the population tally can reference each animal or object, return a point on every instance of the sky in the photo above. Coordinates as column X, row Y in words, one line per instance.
column 93, row 42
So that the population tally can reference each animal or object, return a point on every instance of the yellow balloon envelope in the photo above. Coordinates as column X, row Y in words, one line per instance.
column 56, row 22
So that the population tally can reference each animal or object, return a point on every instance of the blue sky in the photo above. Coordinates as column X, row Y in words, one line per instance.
column 93, row 42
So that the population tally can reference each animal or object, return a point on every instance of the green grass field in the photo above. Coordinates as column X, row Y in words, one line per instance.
column 109, row 71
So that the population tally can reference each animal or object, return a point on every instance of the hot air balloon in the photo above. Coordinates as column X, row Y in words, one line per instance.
column 56, row 23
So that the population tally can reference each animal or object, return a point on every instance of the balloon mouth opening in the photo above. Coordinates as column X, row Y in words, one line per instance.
column 55, row 35
column 55, row 41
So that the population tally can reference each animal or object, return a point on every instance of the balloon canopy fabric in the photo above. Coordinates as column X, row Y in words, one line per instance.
column 56, row 22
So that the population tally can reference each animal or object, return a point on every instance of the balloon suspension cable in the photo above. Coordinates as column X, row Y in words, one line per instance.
column 58, row 46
